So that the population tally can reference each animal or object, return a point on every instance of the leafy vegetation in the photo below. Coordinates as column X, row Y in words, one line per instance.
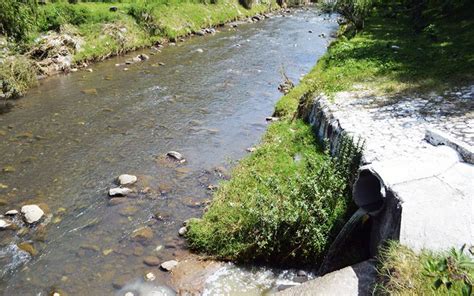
column 284, row 202
column 17, row 18
column 16, row 76
column 402, row 272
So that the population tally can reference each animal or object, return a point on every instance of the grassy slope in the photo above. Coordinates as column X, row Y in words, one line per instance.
column 274, row 208
column 99, row 28
column 422, row 63
column 173, row 20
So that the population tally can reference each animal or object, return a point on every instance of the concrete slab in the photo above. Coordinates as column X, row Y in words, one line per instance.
column 435, row 216
column 433, row 162
column 350, row 281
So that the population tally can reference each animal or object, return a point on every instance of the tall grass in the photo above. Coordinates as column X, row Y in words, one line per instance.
column 283, row 204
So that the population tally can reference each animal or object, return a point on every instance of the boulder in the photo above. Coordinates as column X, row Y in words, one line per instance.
column 176, row 156
column 169, row 265
column 119, row 191
column 29, row 248
column 32, row 213
column 4, row 224
column 183, row 230
column 143, row 57
column 142, row 234
column 11, row 213
column 126, row 179
column 151, row 261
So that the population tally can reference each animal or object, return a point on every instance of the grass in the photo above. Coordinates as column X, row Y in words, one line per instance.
column 137, row 24
column 106, row 33
column 282, row 205
column 16, row 76
column 402, row 272
column 389, row 58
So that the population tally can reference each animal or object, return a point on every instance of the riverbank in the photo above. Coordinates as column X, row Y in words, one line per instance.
column 66, row 142
column 388, row 60
column 62, row 37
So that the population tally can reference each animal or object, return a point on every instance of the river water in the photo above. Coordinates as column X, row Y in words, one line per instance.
column 68, row 139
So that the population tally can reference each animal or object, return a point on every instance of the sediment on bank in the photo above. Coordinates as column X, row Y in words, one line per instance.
column 61, row 37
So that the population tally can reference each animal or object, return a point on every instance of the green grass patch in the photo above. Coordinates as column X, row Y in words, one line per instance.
column 282, row 205
column 134, row 25
column 389, row 58
column 402, row 272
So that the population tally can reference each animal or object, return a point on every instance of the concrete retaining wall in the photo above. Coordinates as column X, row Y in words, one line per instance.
column 428, row 194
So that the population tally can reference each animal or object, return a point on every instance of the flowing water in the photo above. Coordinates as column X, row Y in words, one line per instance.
column 63, row 145
column 340, row 239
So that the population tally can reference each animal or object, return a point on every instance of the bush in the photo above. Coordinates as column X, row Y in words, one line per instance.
column 355, row 11
column 277, row 209
column 17, row 18
column 16, row 76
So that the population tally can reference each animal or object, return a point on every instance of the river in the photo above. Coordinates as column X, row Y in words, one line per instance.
column 64, row 143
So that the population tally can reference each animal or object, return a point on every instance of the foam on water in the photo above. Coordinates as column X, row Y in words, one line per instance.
column 236, row 280
column 142, row 288
column 11, row 257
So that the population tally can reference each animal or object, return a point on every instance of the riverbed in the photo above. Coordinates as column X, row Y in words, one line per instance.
column 64, row 144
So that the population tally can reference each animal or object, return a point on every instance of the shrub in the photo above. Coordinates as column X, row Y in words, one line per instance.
column 16, row 76
column 17, row 18
column 275, row 208
column 355, row 11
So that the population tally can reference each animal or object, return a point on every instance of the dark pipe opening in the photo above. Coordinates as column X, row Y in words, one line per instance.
column 368, row 192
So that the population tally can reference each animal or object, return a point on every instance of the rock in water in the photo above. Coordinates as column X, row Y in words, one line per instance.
column 150, row 276
column 182, row 231
column 4, row 224
column 271, row 118
column 126, row 179
column 251, row 149
column 29, row 248
column 142, row 234
column 151, row 261
column 11, row 213
column 89, row 91
column 176, row 156
column 169, row 265
column 143, row 57
column 32, row 213
column 119, row 191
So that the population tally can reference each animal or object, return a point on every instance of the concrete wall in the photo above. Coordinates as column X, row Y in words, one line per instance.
column 428, row 195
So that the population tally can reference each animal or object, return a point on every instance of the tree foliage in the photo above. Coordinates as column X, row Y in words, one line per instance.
column 17, row 17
